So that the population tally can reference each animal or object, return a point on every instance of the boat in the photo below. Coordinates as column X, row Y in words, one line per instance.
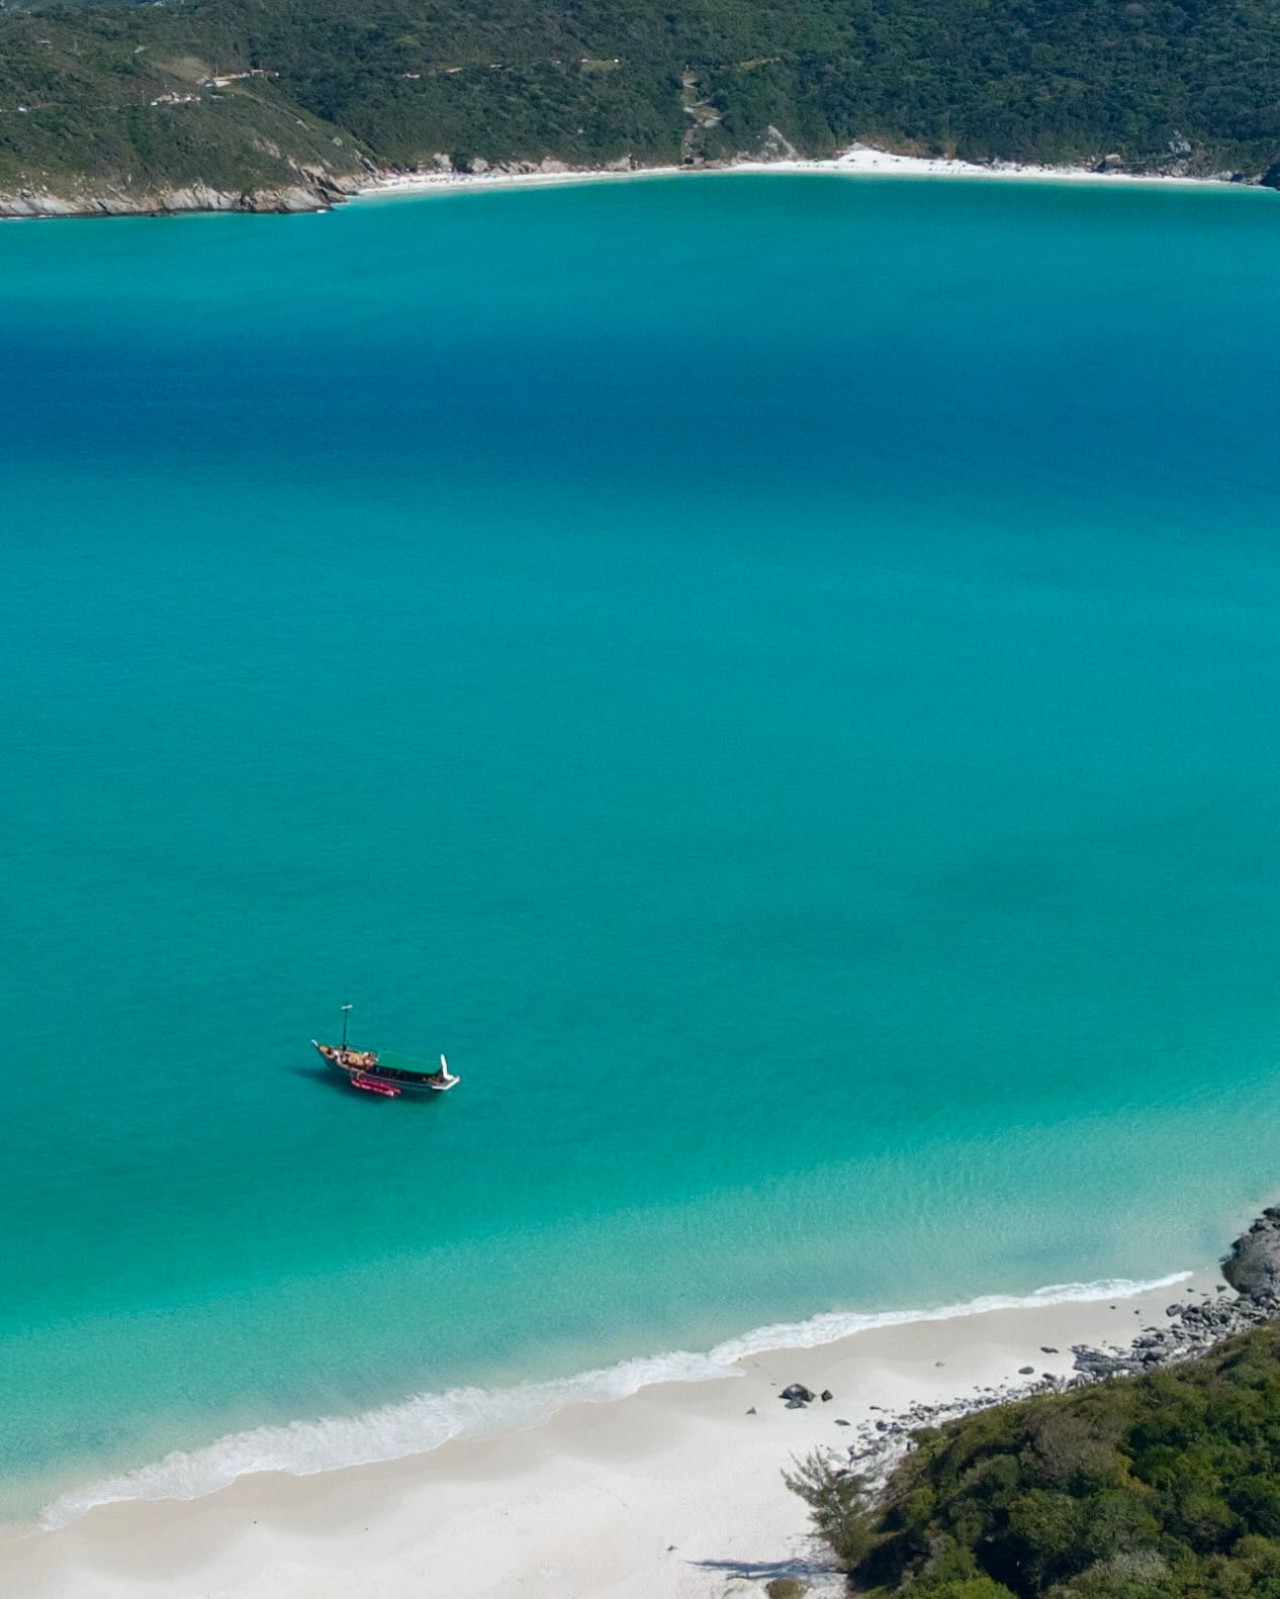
column 371, row 1085
column 365, row 1071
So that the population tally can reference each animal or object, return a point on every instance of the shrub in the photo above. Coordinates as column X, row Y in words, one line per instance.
column 786, row 1588
column 838, row 1504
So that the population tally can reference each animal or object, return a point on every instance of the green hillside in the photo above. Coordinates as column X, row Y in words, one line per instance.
column 1165, row 1486
column 120, row 95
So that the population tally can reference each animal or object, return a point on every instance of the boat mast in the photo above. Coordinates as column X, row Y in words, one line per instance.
column 345, row 1009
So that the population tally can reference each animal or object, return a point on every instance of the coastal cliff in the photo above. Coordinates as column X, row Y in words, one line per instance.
column 314, row 194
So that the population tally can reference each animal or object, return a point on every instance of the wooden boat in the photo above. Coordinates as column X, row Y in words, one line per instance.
column 364, row 1070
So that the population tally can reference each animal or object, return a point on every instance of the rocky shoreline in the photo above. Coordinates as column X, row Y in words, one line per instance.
column 313, row 191
column 1193, row 1328
column 1252, row 1269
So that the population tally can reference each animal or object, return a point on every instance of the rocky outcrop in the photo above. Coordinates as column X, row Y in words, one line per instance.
column 775, row 146
column 1253, row 1266
column 311, row 192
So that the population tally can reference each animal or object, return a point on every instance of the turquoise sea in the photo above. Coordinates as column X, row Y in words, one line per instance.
column 778, row 677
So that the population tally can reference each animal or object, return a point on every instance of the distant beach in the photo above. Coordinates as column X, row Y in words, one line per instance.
column 859, row 161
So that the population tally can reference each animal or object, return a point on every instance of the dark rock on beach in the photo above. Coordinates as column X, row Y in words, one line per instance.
column 797, row 1393
column 1253, row 1266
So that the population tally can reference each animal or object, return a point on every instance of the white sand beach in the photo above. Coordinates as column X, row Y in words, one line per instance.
column 859, row 161
column 673, row 1493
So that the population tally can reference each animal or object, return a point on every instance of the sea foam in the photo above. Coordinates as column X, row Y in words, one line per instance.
column 423, row 1423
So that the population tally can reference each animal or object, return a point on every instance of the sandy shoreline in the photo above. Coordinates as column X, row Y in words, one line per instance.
column 321, row 196
column 860, row 161
column 673, row 1493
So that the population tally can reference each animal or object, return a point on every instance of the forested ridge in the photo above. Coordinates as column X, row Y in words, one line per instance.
column 118, row 94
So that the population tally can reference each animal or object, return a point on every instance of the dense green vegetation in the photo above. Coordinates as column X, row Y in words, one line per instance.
column 1165, row 1486
column 1190, row 84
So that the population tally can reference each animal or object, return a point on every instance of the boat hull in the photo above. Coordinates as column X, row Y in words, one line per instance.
column 371, row 1085
column 365, row 1064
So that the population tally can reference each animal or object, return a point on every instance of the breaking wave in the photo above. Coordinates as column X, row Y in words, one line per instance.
column 426, row 1421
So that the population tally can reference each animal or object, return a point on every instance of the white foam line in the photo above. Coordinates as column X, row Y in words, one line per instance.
column 423, row 1423
column 827, row 1328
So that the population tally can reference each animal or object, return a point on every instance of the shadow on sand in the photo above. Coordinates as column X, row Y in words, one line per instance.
column 765, row 1570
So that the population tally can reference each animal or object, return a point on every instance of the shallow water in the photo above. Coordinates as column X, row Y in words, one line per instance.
column 776, row 676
